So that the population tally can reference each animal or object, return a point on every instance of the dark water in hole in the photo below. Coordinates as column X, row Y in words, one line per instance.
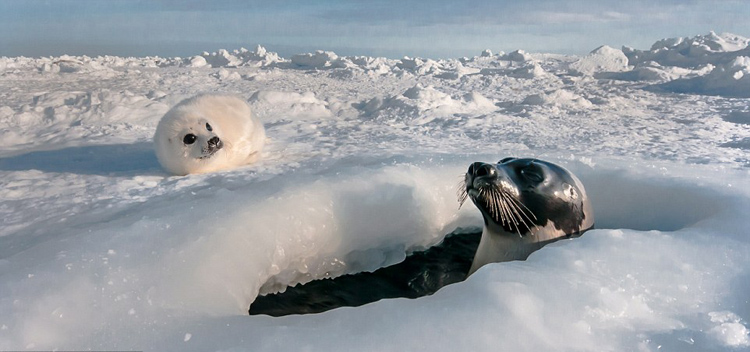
column 420, row 274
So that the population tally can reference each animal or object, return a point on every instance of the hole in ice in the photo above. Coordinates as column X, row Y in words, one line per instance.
column 619, row 202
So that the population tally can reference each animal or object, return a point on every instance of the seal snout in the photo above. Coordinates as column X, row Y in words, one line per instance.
column 214, row 144
column 480, row 172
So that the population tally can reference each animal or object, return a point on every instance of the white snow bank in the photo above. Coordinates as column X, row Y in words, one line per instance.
column 692, row 52
column 526, row 70
column 272, row 106
column 601, row 59
column 104, row 65
column 731, row 80
column 419, row 105
column 419, row 66
column 60, row 118
column 518, row 55
column 318, row 60
column 729, row 330
column 558, row 98
column 260, row 57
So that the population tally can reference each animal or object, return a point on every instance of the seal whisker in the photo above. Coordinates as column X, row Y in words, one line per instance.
column 461, row 192
column 487, row 196
column 507, row 214
column 521, row 214
column 517, row 211
column 527, row 212
column 498, row 205
column 513, row 221
column 492, row 203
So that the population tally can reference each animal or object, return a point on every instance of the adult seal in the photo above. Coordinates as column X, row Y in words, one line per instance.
column 206, row 133
column 526, row 204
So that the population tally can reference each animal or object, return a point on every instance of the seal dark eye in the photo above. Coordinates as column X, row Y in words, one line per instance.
column 533, row 174
column 208, row 127
column 189, row 138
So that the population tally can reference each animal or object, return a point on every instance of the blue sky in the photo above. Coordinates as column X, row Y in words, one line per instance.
column 392, row 28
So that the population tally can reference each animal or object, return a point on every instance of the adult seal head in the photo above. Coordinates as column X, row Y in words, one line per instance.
column 526, row 204
column 207, row 133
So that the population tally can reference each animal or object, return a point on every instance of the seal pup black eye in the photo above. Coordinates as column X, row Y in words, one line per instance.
column 209, row 128
column 189, row 138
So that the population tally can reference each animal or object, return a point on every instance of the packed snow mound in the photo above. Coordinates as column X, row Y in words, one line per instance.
column 518, row 56
column 419, row 105
column 692, row 52
column 260, row 57
column 318, row 60
column 525, row 70
column 343, row 66
column 729, row 80
column 529, row 71
column 729, row 329
column 649, row 71
column 602, row 59
column 373, row 66
column 274, row 105
column 710, row 64
column 62, row 117
column 454, row 69
column 419, row 66
column 559, row 98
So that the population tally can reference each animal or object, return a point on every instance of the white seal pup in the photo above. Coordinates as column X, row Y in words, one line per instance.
column 208, row 132
column 526, row 204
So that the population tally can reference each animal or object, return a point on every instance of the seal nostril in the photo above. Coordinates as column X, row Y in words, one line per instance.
column 215, row 141
column 474, row 169
column 484, row 171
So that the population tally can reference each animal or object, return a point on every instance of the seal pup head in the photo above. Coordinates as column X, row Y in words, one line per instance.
column 526, row 203
column 207, row 133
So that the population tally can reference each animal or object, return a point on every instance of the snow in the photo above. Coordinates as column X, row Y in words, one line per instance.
column 101, row 249
column 602, row 59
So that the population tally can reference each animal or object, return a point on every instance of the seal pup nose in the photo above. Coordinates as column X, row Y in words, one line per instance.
column 215, row 142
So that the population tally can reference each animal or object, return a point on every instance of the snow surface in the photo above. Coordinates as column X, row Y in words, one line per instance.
column 101, row 249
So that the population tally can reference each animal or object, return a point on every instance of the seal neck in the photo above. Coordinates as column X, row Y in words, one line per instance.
column 501, row 246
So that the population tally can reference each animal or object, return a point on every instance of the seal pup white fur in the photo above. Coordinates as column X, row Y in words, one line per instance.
column 206, row 133
column 526, row 204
